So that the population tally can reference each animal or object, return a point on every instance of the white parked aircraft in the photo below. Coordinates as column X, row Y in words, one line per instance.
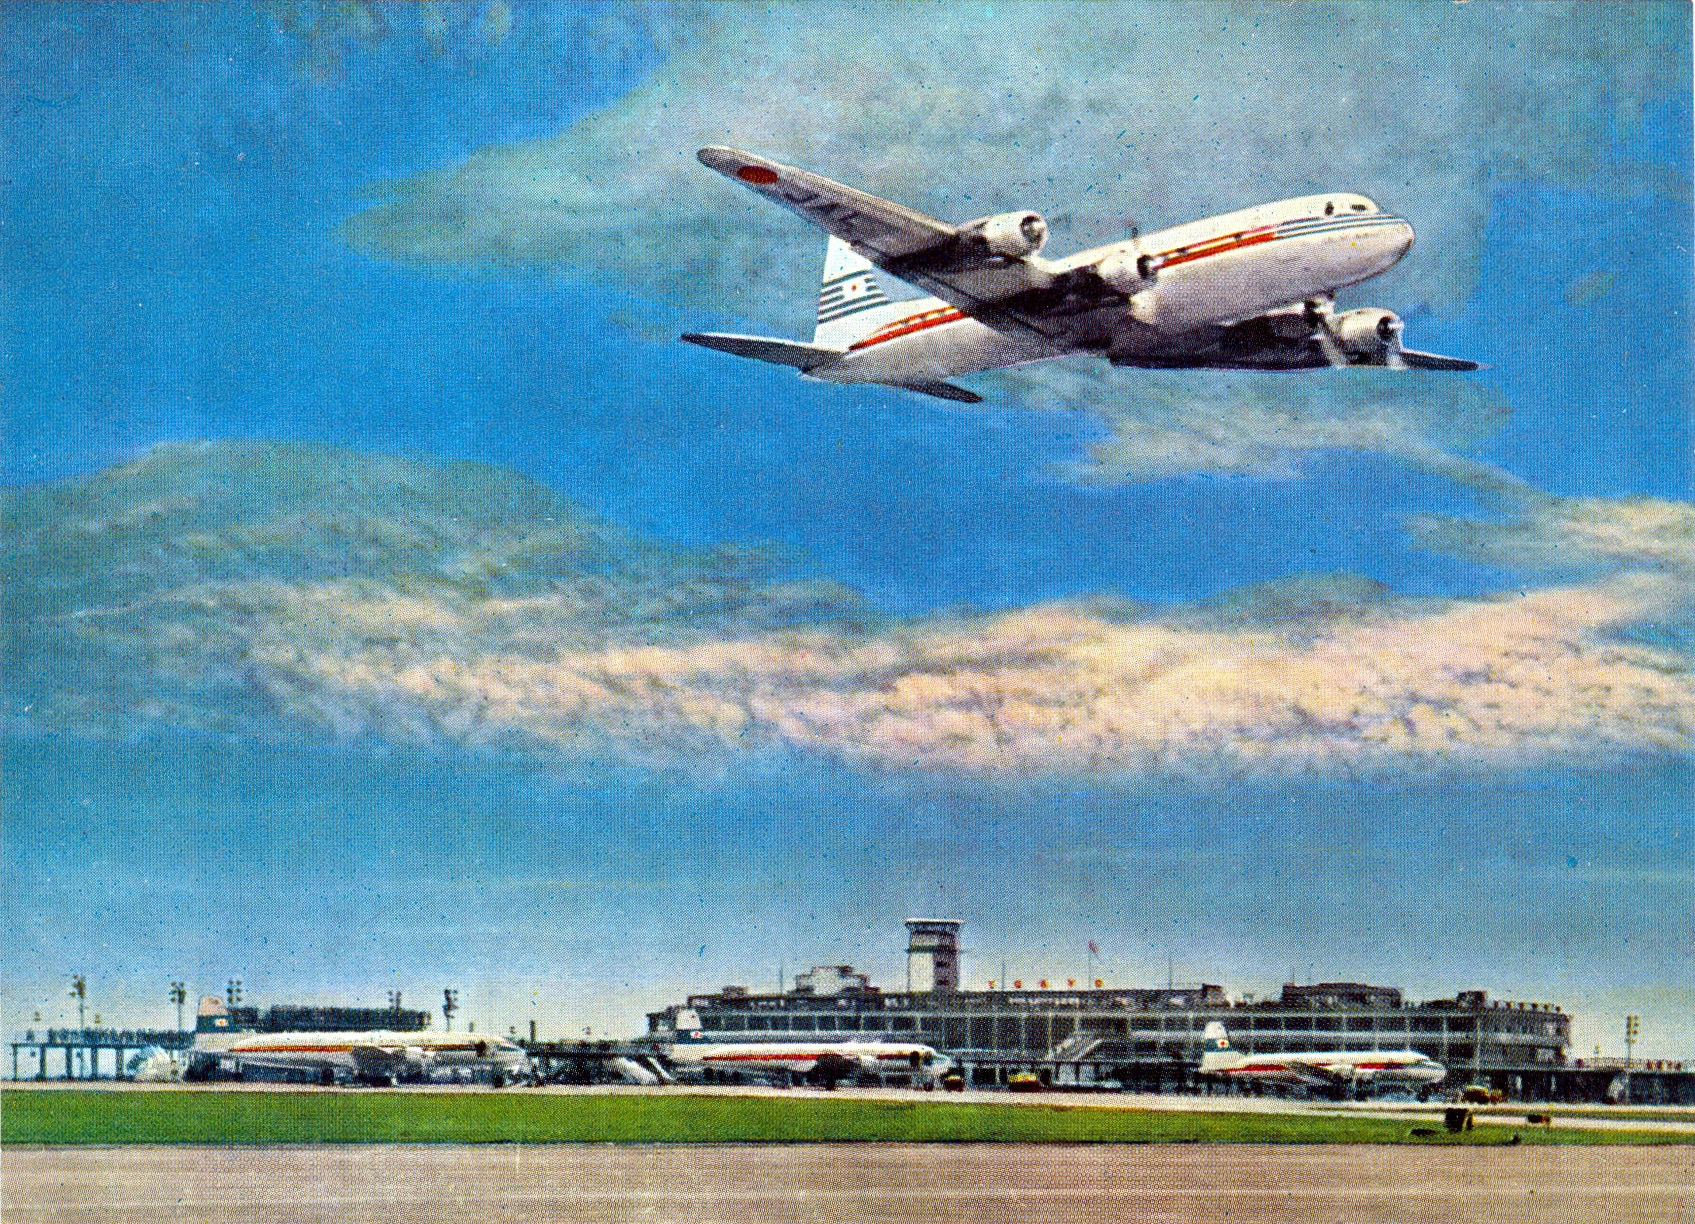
column 1250, row 290
column 1323, row 1068
column 822, row 1062
column 376, row 1057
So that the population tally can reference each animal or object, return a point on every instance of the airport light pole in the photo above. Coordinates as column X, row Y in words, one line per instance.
column 449, row 1005
column 79, row 992
column 232, row 992
column 179, row 996
column 1632, row 1030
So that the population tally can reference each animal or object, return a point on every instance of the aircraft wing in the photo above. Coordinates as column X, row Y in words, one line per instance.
column 1435, row 361
column 1329, row 1074
column 876, row 228
column 1326, row 1075
column 376, row 1057
column 1012, row 294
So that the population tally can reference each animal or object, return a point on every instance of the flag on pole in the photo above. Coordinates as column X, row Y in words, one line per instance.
column 1093, row 951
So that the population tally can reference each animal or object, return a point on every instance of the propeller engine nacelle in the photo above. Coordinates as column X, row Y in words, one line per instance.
column 1127, row 271
column 1369, row 337
column 1011, row 234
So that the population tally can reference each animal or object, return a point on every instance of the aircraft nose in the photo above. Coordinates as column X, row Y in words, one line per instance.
column 1400, row 236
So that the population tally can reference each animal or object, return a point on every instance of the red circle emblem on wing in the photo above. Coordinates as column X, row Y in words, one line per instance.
column 759, row 176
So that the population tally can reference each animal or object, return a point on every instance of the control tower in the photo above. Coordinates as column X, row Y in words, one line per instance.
column 932, row 955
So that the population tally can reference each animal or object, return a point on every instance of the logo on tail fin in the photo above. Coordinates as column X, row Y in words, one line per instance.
column 1216, row 1054
column 849, row 287
column 212, row 1016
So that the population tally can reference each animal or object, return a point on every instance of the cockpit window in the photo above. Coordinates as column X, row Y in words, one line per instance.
column 1357, row 207
column 1329, row 208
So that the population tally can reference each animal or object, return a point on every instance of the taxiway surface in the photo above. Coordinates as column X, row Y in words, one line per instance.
column 868, row 1183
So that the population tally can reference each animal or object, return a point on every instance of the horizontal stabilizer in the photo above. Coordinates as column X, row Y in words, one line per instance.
column 1434, row 361
column 779, row 352
column 942, row 390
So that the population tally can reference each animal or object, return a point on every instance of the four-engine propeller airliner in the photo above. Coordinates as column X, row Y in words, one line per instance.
column 1250, row 290
column 819, row 1062
column 365, row 1057
column 1335, row 1069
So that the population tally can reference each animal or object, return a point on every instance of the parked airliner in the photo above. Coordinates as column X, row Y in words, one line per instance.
column 1249, row 290
column 820, row 1062
column 1344, row 1069
column 376, row 1057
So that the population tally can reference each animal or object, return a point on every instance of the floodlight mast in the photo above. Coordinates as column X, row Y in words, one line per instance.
column 79, row 992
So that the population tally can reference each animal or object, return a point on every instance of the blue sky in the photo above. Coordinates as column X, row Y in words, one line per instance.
column 473, row 235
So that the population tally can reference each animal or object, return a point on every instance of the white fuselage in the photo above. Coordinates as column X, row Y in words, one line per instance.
column 1406, row 1066
column 1214, row 271
column 802, row 1058
column 361, row 1053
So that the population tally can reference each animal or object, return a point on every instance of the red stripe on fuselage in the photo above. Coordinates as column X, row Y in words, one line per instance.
column 1214, row 246
column 1169, row 259
column 336, row 1049
column 906, row 327
column 1255, row 1068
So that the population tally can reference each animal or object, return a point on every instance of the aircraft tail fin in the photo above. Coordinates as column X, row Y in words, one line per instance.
column 211, row 1016
column 1216, row 1051
column 850, row 297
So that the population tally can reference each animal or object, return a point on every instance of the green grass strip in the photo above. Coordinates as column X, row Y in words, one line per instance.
column 1612, row 1113
column 195, row 1117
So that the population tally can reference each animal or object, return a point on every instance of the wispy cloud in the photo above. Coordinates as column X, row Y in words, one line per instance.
column 1058, row 689
column 1169, row 422
column 1542, row 534
column 929, row 110
column 582, row 648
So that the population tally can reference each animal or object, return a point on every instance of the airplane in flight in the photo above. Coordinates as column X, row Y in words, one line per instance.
column 376, row 1057
column 1249, row 290
column 819, row 1062
column 1333, row 1069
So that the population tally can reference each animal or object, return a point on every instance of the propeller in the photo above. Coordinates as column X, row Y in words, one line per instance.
column 1389, row 331
column 1318, row 313
column 1380, row 345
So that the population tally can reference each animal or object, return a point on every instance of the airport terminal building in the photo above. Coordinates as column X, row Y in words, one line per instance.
column 1140, row 1038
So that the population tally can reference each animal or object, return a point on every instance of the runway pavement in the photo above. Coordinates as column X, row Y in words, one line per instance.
column 865, row 1183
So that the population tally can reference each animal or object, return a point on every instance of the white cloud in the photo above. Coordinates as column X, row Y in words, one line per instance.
column 1546, row 534
column 1054, row 689
column 466, row 607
